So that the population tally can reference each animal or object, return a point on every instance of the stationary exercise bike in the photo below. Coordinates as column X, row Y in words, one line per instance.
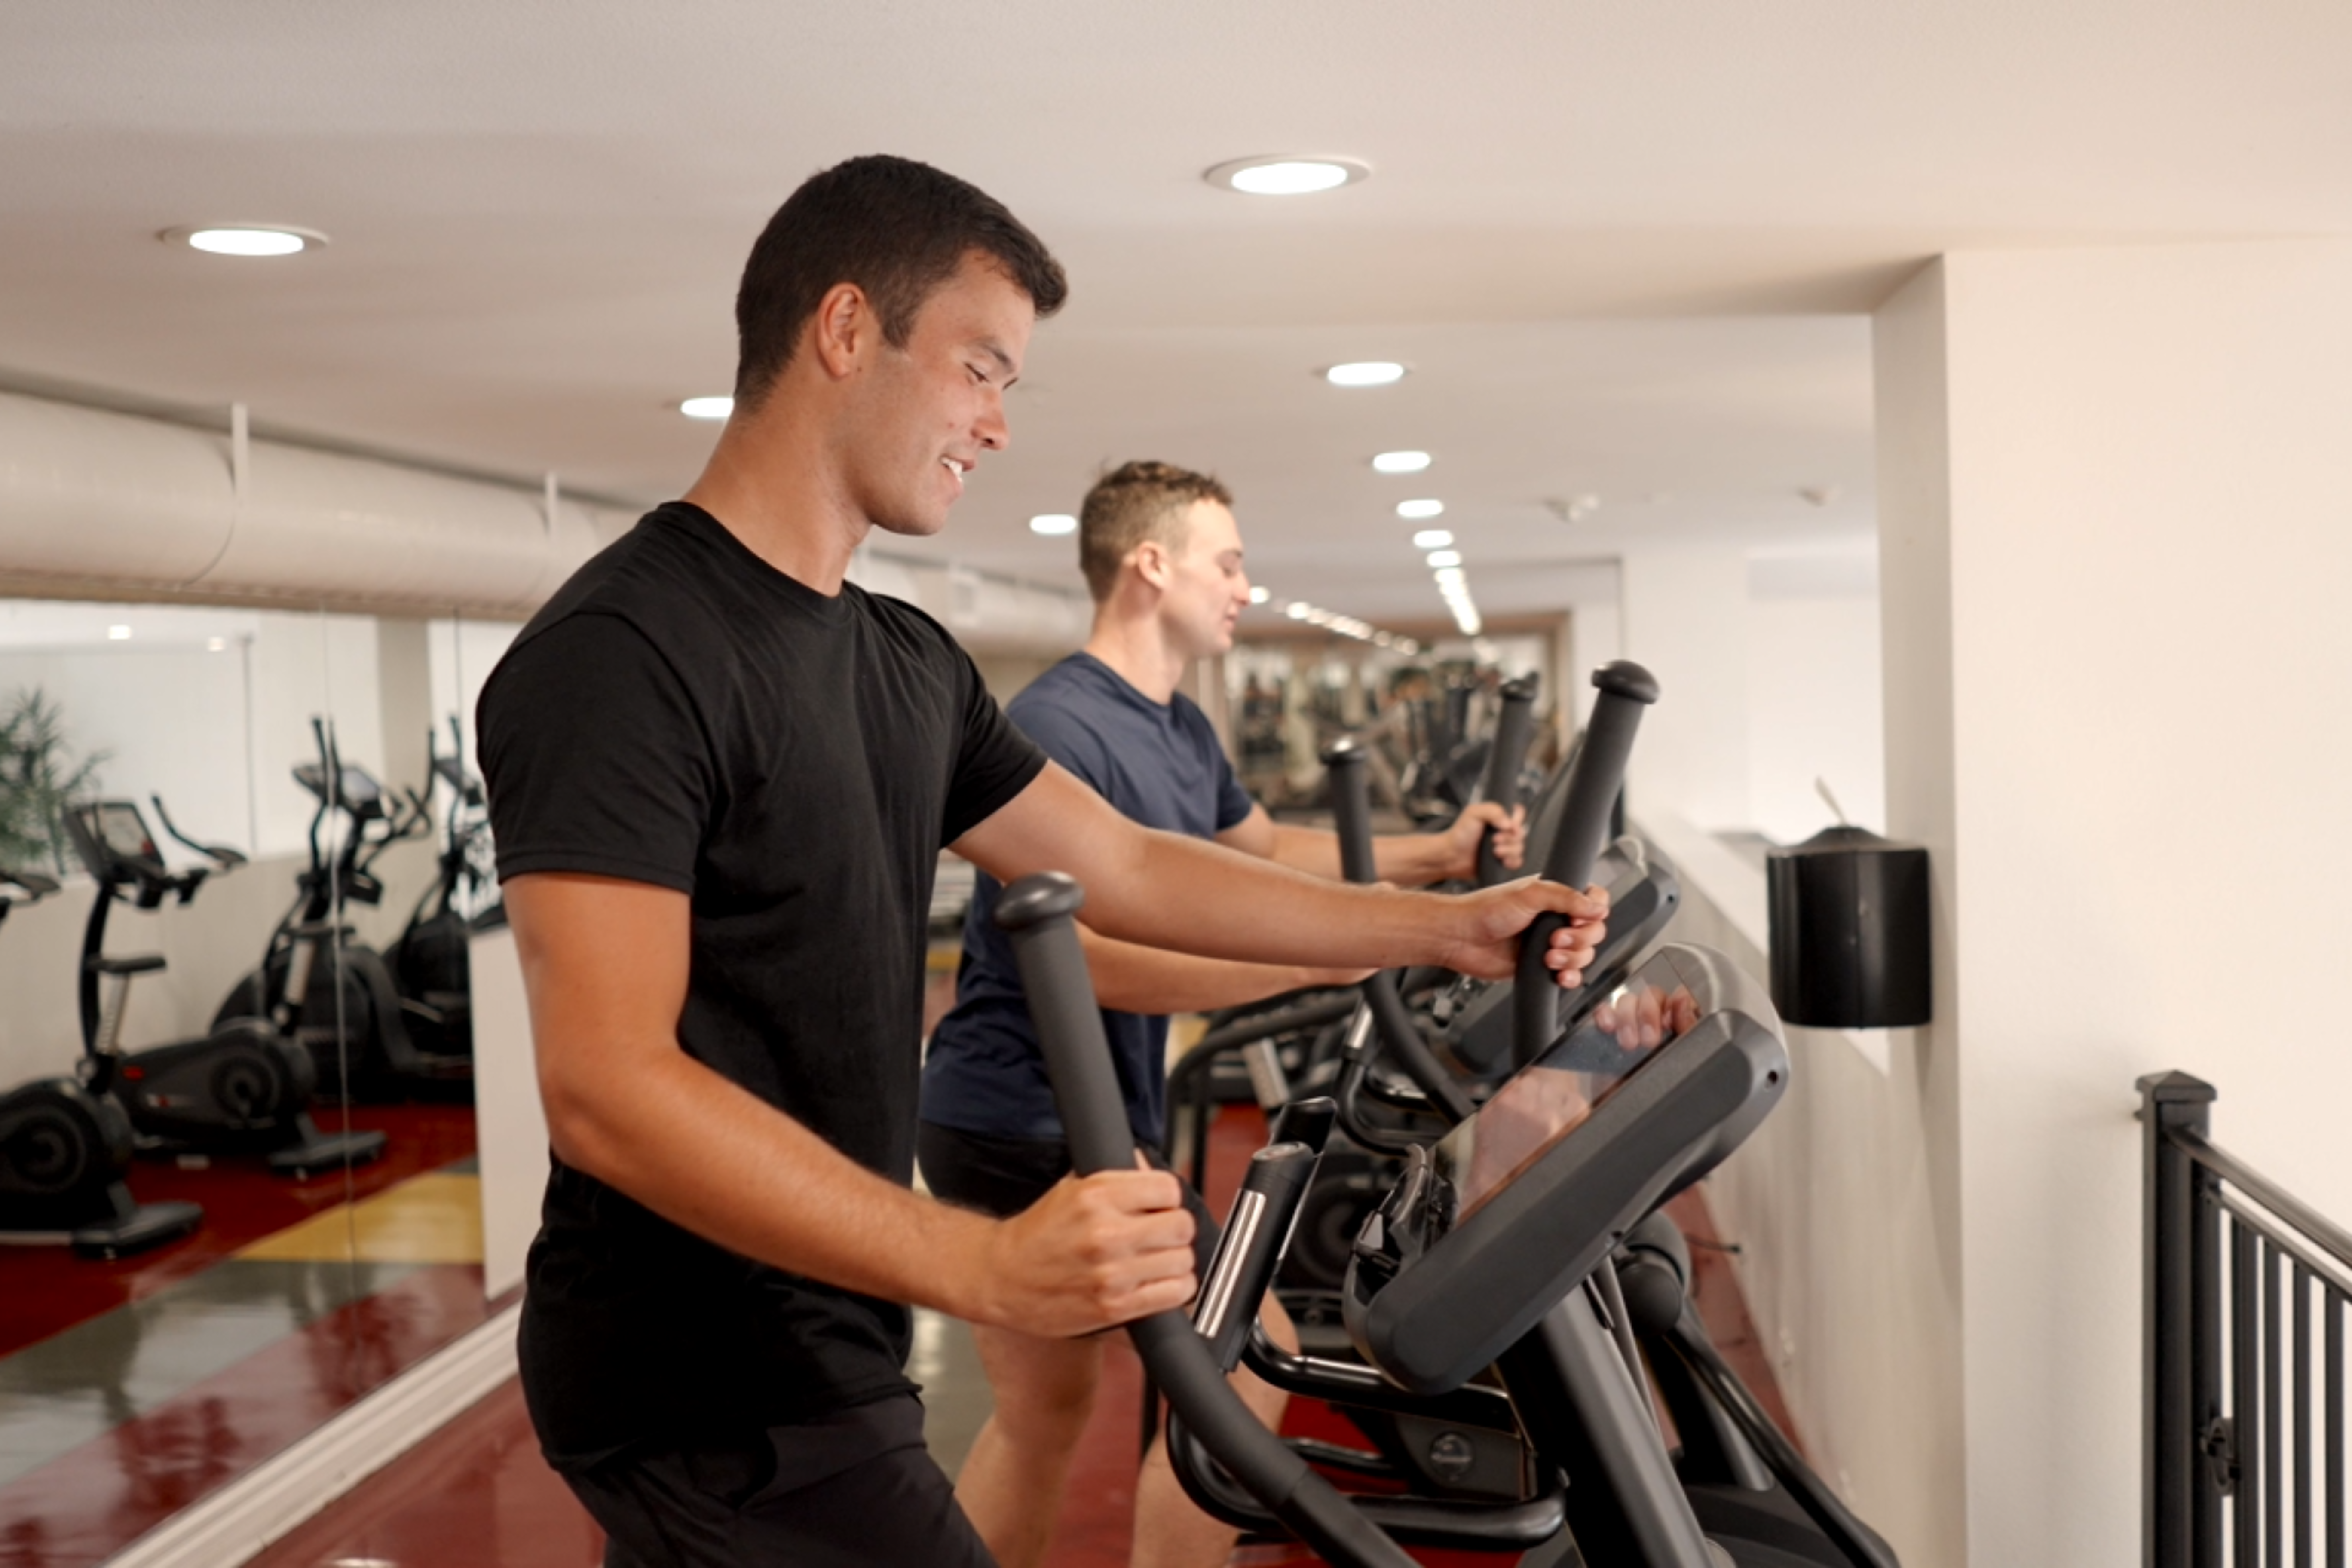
column 319, row 982
column 65, row 1148
column 243, row 1088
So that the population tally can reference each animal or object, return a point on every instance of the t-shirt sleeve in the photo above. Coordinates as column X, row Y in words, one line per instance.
column 1067, row 734
column 595, row 757
column 995, row 763
column 1234, row 803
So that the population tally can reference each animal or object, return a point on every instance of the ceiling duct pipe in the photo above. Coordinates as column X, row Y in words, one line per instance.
column 98, row 504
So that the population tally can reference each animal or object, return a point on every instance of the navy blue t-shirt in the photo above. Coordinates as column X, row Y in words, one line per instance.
column 1160, row 765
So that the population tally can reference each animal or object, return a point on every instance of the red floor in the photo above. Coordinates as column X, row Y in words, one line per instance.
column 85, row 1505
column 477, row 1494
column 49, row 1289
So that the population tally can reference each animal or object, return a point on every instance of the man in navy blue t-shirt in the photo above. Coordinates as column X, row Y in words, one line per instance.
column 1163, row 557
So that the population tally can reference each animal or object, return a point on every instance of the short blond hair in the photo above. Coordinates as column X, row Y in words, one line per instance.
column 1134, row 502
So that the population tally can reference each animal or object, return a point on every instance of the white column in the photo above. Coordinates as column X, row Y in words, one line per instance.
column 2116, row 489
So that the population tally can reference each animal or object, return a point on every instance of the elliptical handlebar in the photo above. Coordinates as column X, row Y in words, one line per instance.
column 1351, row 812
column 1514, row 729
column 223, row 857
column 1037, row 913
column 1626, row 689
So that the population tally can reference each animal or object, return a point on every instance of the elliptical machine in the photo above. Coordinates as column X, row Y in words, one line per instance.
column 1482, row 1294
column 65, row 1148
column 318, row 982
column 243, row 1089
column 431, row 962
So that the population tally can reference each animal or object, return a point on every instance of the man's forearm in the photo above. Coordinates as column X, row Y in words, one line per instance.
column 1199, row 898
column 1134, row 979
column 1407, row 860
column 709, row 1155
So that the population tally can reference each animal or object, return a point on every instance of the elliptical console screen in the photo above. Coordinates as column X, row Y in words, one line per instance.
column 1554, row 1095
column 123, row 831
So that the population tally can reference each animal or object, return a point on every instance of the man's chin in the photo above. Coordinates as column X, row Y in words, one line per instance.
column 910, row 524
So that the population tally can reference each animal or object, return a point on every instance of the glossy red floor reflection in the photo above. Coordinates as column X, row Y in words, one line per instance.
column 49, row 1288
column 84, row 1506
column 477, row 1495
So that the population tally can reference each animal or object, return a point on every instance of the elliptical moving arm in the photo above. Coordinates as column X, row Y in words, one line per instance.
column 1514, row 728
column 1038, row 911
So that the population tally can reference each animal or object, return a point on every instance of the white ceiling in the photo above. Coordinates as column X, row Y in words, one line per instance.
column 1624, row 245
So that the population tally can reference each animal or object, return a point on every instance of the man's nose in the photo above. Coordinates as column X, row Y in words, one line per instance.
column 991, row 429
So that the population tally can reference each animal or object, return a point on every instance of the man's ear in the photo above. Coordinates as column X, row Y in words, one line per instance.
column 843, row 329
column 1153, row 564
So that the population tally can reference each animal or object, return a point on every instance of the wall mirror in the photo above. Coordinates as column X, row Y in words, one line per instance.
column 279, row 811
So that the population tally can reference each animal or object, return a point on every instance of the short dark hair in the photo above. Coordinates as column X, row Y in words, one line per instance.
column 1133, row 503
column 896, row 228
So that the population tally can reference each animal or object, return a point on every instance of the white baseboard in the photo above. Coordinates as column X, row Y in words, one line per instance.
column 237, row 1521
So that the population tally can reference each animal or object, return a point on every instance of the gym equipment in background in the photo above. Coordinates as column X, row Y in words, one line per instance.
column 65, row 1148
column 319, row 982
column 430, row 962
column 243, row 1088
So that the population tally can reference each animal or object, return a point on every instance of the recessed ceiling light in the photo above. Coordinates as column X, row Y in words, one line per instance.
column 1446, row 558
column 706, row 407
column 1400, row 462
column 1259, row 595
column 1296, row 609
column 1414, row 511
column 1365, row 373
column 215, row 645
column 245, row 239
column 1431, row 539
column 1053, row 524
column 1448, row 575
column 118, row 634
column 1287, row 175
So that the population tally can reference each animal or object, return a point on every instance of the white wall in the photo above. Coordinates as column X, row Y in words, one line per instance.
column 1767, row 663
column 2118, row 478
column 1814, row 702
column 1686, row 620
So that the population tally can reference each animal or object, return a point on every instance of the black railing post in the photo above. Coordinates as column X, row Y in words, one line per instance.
column 2182, row 1501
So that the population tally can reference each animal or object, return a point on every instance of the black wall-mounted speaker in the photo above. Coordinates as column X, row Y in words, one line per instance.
column 1850, row 947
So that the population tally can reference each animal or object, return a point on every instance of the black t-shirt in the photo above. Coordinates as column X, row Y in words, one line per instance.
column 683, row 715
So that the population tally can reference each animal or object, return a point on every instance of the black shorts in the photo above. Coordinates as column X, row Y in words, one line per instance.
column 852, row 1490
column 1002, row 1176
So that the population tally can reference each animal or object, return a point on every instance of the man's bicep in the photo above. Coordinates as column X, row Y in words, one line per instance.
column 605, row 964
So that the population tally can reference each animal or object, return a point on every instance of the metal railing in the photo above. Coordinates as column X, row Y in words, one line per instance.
column 2247, row 1292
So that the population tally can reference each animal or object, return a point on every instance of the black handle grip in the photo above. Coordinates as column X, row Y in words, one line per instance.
column 1351, row 809
column 1626, row 689
column 1036, row 911
column 1514, row 728
column 1306, row 1122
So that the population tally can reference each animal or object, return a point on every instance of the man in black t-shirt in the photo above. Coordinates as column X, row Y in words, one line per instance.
column 720, row 776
